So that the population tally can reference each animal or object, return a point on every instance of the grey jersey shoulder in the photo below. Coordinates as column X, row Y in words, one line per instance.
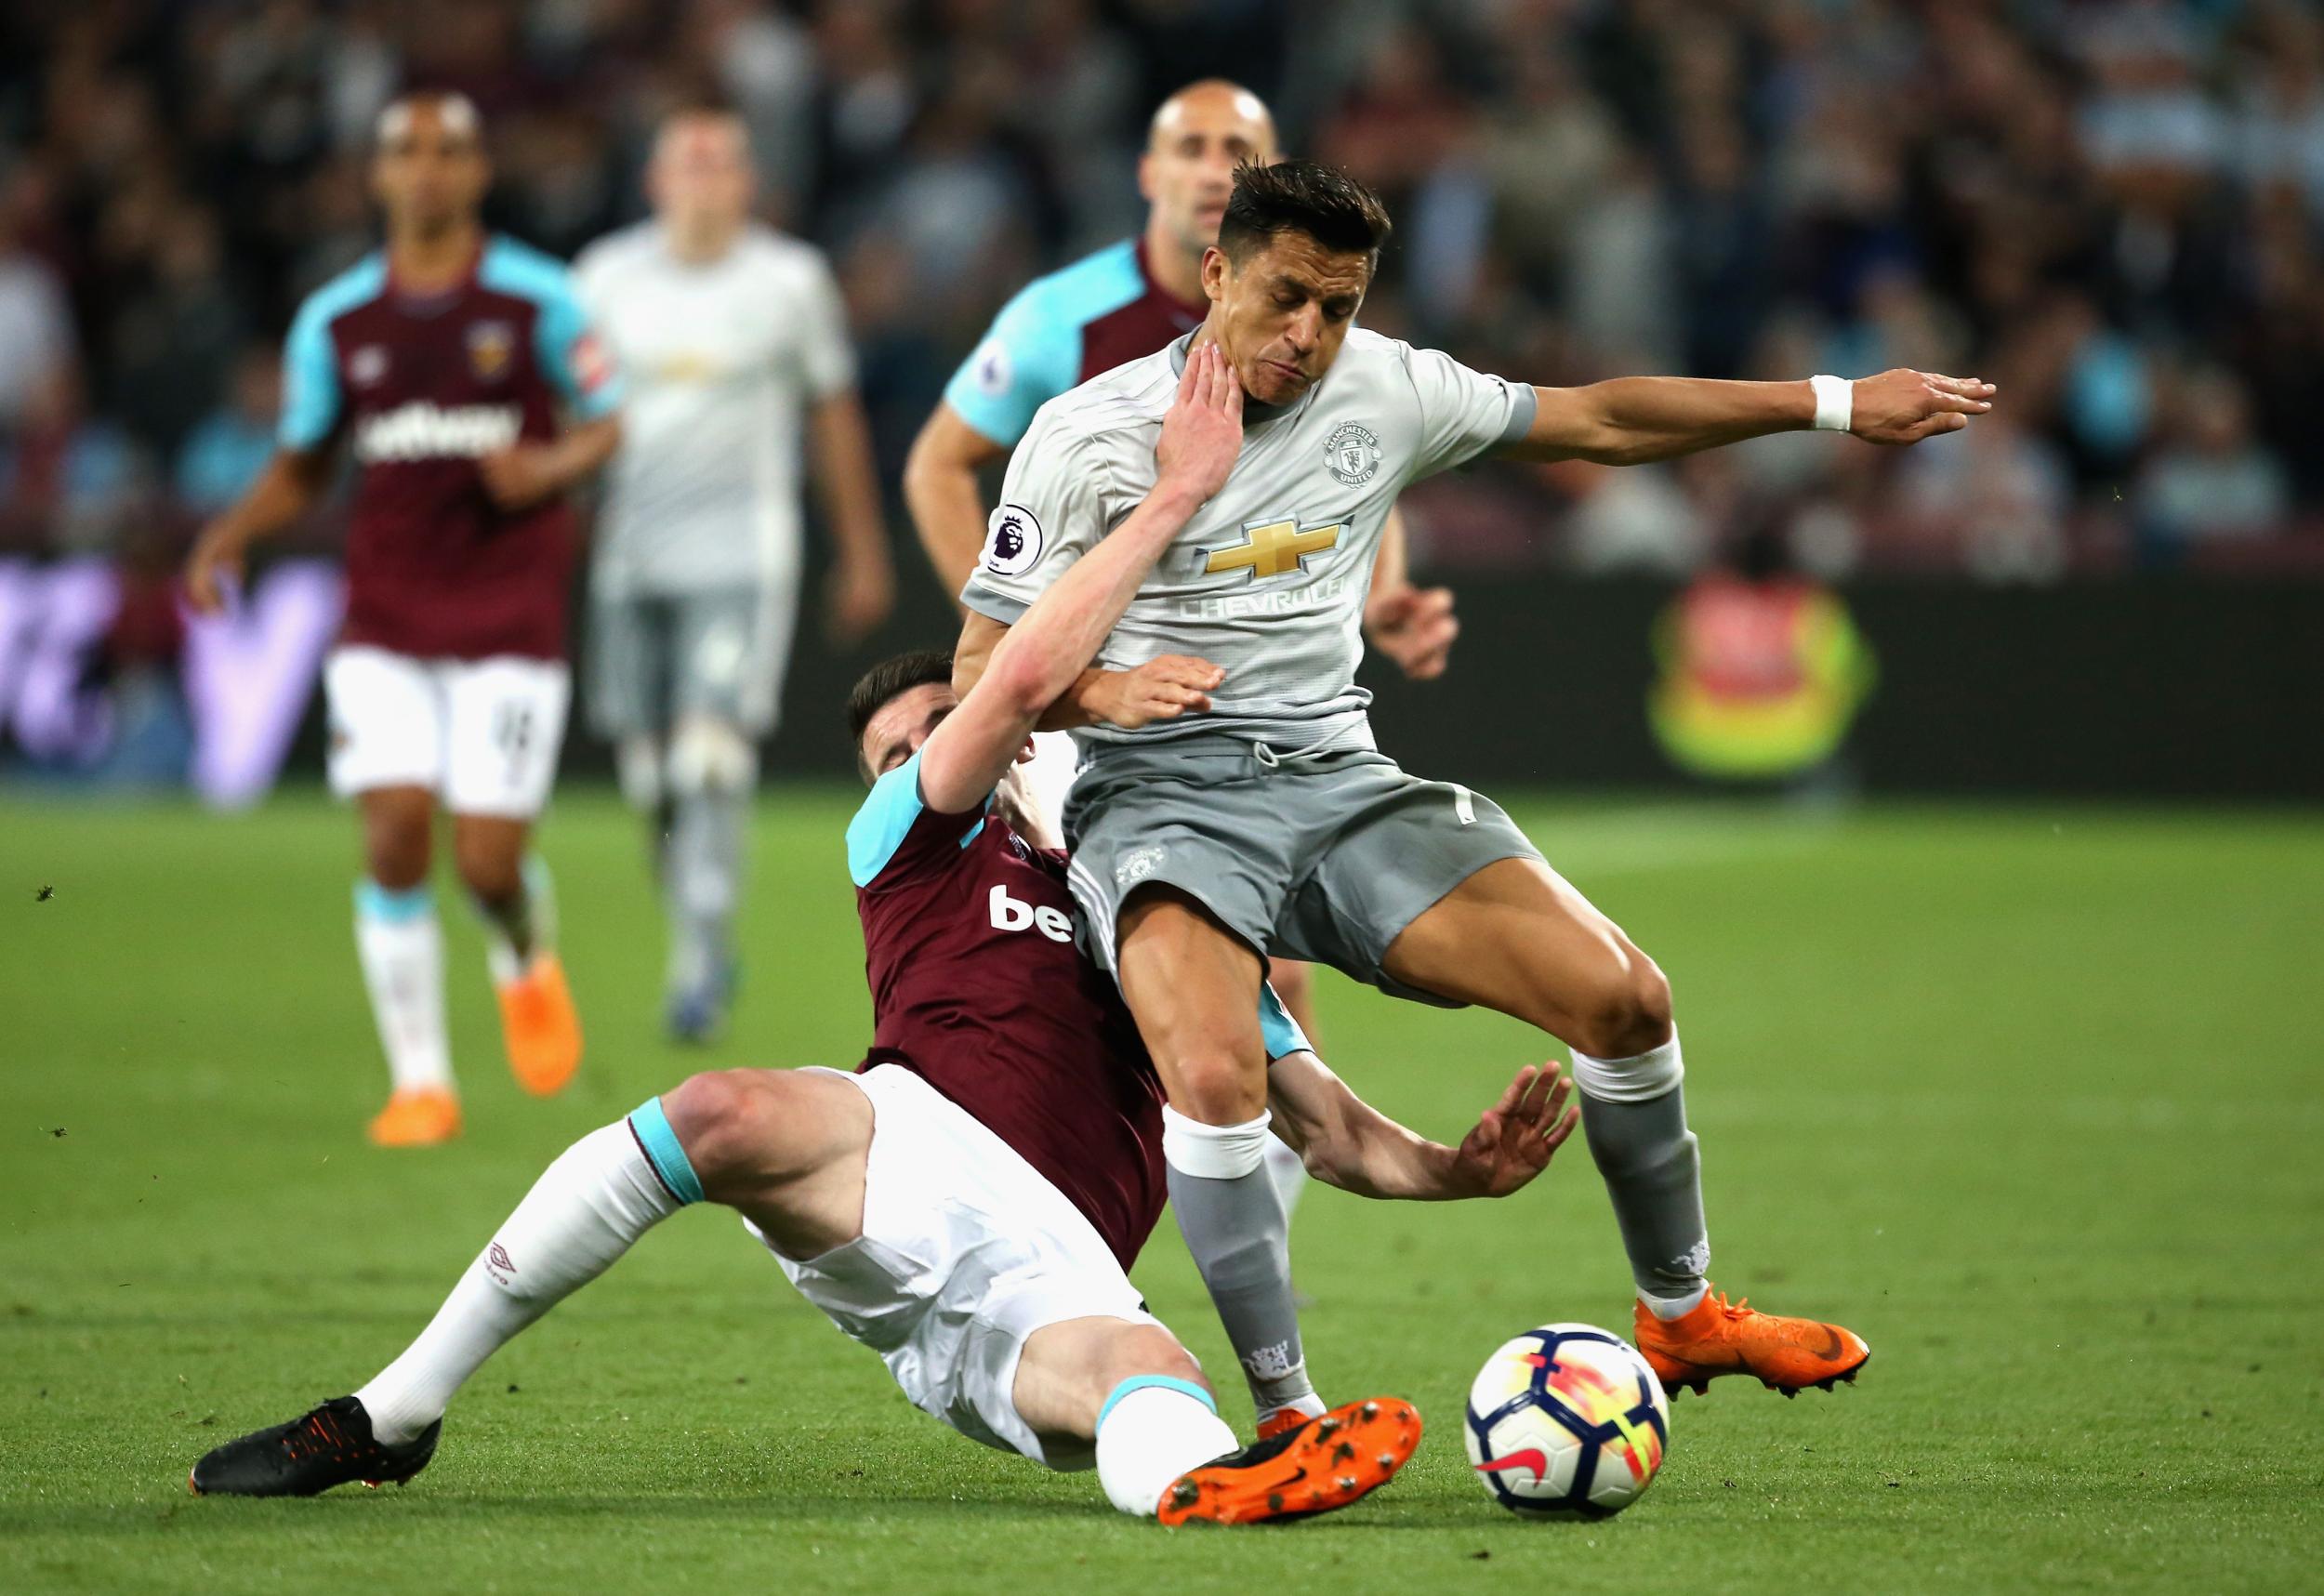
column 772, row 250
column 1129, row 400
column 617, row 249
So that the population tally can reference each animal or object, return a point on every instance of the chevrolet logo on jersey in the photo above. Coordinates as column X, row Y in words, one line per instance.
column 1275, row 548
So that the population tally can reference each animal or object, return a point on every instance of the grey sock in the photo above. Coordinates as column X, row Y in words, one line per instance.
column 703, row 884
column 1240, row 1240
column 1652, row 1171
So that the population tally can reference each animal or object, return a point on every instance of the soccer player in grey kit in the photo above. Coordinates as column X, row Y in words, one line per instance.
column 1268, row 823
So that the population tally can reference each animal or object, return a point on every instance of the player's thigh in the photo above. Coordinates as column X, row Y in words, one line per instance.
column 387, row 721
column 628, row 667
column 1192, row 987
column 1069, row 1369
column 1204, row 828
column 729, row 650
column 505, row 728
column 786, row 1148
column 1402, row 843
column 1517, row 937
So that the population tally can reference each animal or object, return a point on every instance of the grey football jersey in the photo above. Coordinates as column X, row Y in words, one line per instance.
column 1269, row 578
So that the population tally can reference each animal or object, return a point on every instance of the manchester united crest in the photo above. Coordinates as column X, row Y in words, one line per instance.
column 1352, row 454
column 491, row 347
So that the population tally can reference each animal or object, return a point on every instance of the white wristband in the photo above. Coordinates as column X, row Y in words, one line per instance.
column 1835, row 402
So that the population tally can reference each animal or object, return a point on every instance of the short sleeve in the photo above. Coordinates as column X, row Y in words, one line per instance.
column 895, row 834
column 310, row 381
column 1463, row 413
column 826, row 358
column 1051, row 512
column 572, row 356
column 1281, row 1032
column 1028, row 358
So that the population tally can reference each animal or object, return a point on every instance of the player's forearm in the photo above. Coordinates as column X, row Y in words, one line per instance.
column 1632, row 421
column 848, row 481
column 285, row 490
column 1081, row 705
column 948, row 509
column 1348, row 1143
column 1044, row 654
column 1392, row 566
column 579, row 452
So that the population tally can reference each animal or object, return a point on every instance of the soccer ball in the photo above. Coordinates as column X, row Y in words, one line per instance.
column 1567, row 1421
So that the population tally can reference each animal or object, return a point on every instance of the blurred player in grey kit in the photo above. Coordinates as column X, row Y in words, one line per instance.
column 738, row 343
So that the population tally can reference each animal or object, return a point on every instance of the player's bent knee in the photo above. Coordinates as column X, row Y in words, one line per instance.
column 724, row 1120
column 1625, row 1010
column 1150, row 1349
column 398, row 834
column 710, row 756
column 1291, row 978
column 746, row 1129
column 1215, row 1086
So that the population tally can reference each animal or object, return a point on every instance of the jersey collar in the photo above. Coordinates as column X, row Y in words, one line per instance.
column 429, row 300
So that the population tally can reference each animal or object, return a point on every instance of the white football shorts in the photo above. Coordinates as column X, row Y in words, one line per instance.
column 966, row 1251
column 481, row 734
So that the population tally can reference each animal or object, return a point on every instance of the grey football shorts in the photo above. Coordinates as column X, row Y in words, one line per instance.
column 1322, row 858
column 656, row 658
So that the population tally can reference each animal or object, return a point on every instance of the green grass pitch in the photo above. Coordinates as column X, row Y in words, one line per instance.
column 2027, row 1097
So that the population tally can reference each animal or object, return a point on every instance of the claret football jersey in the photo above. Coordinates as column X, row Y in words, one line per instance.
column 978, row 988
column 422, row 387
column 1064, row 329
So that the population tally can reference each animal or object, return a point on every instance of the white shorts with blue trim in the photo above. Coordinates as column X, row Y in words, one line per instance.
column 482, row 735
column 967, row 1251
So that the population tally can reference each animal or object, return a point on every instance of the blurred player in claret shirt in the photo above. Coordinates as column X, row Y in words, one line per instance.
column 1126, row 301
column 460, row 371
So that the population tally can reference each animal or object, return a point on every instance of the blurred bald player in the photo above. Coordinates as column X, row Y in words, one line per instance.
column 735, row 344
column 1128, row 300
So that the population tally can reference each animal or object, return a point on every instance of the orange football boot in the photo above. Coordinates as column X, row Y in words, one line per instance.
column 1282, row 1421
column 418, row 1117
column 1323, row 1465
column 1718, row 1338
column 542, row 1030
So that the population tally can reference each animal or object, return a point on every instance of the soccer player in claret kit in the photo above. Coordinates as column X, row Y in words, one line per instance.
column 968, row 1202
column 461, row 373
column 1268, row 821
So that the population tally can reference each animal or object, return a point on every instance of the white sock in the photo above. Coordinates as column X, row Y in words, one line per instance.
column 585, row 1211
column 1668, row 1308
column 1287, row 1171
column 1151, row 1429
column 402, row 951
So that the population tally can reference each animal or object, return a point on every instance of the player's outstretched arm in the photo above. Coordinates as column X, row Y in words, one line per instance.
column 525, row 474
column 285, row 490
column 1043, row 656
column 1414, row 626
column 1349, row 1144
column 1635, row 419
column 863, row 588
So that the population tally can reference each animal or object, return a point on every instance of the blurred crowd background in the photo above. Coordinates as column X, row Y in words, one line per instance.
column 2111, row 207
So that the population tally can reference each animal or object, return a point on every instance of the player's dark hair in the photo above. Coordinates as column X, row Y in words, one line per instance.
column 1302, row 196
column 892, row 678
